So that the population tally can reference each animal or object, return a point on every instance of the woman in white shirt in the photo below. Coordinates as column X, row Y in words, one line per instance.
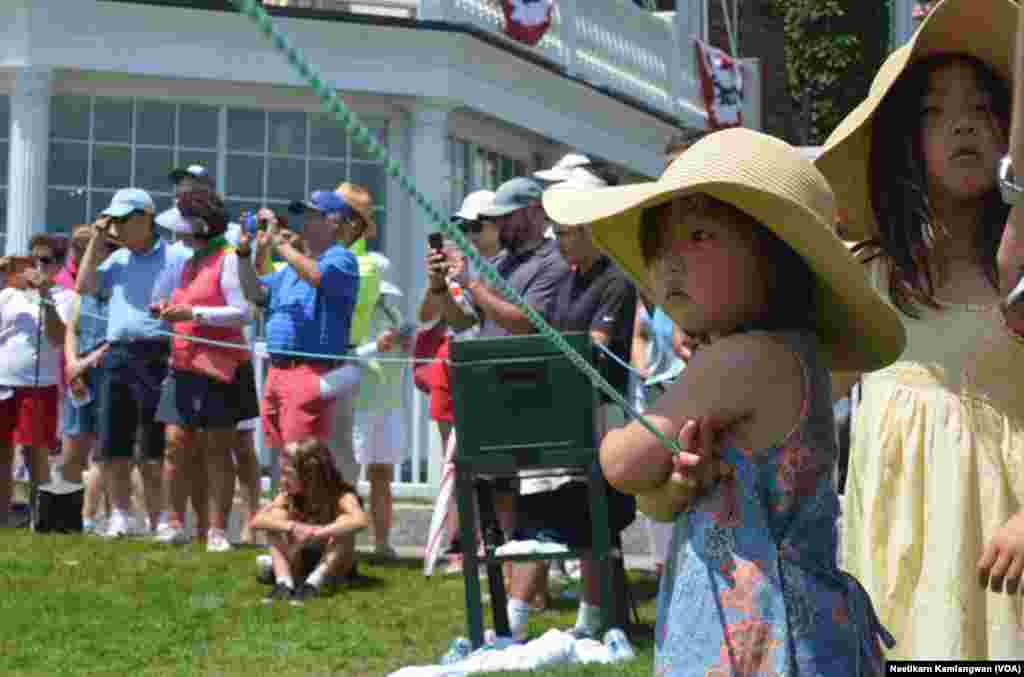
column 31, row 333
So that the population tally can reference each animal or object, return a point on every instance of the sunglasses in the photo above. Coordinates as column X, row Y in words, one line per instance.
column 45, row 260
column 470, row 227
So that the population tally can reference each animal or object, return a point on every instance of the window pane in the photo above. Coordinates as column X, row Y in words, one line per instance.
column 69, row 117
column 156, row 123
column 359, row 150
column 111, row 167
column 100, row 201
column 326, row 174
column 372, row 177
column 66, row 208
column 4, row 150
column 196, row 157
column 197, row 126
column 113, row 120
column 69, row 164
column 288, row 133
column 3, row 216
column 5, row 117
column 152, row 165
column 326, row 137
column 286, row 179
column 247, row 130
column 245, row 176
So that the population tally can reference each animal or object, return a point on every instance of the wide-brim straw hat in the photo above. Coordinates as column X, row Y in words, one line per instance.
column 983, row 29
column 358, row 197
column 769, row 180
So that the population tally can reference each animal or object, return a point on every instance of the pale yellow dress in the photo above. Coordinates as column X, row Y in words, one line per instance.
column 936, row 467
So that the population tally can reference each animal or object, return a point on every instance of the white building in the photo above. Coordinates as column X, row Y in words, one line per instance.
column 100, row 94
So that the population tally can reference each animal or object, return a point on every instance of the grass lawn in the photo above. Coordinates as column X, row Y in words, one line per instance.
column 73, row 605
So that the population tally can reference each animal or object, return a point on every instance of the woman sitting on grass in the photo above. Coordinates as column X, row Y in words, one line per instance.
column 313, row 519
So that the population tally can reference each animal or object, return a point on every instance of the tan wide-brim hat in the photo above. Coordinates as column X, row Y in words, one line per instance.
column 358, row 197
column 769, row 180
column 983, row 29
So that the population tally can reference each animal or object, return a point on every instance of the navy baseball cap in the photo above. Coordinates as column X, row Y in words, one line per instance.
column 323, row 201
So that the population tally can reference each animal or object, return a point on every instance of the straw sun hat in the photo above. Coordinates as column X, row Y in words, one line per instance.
column 983, row 29
column 769, row 180
column 358, row 198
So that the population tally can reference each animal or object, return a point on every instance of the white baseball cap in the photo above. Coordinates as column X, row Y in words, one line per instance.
column 473, row 204
column 562, row 168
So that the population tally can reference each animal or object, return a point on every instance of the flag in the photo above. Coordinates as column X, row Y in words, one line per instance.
column 721, row 81
column 527, row 20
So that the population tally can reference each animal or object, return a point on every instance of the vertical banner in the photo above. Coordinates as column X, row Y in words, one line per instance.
column 721, row 82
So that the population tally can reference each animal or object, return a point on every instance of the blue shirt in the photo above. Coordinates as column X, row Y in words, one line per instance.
column 306, row 319
column 132, row 281
column 662, row 362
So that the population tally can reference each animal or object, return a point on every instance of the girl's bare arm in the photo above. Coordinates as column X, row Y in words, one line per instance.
column 351, row 518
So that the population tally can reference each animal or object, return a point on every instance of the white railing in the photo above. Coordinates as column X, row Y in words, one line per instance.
column 613, row 44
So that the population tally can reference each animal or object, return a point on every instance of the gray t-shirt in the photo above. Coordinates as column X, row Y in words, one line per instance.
column 535, row 274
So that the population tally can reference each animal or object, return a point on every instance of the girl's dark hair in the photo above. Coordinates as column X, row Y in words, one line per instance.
column 322, row 484
column 205, row 205
column 791, row 282
column 899, row 195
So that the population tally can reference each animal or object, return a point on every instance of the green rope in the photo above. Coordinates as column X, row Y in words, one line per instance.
column 352, row 125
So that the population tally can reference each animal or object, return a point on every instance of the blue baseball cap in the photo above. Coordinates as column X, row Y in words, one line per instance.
column 513, row 195
column 323, row 201
column 128, row 200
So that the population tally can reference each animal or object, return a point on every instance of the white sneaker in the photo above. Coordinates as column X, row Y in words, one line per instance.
column 169, row 535
column 120, row 526
column 217, row 541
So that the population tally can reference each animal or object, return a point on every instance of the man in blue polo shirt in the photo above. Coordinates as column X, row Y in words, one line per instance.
column 308, row 305
column 141, row 272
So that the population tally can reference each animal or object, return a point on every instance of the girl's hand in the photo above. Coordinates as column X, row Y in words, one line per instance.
column 176, row 313
column 696, row 469
column 1003, row 558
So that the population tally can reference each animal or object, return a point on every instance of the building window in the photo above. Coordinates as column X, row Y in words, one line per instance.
column 5, row 131
column 98, row 145
column 477, row 168
column 276, row 157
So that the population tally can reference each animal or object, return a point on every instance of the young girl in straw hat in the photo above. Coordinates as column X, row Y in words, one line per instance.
column 936, row 478
column 733, row 242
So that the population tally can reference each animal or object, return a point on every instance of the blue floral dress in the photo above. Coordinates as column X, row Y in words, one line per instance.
column 751, row 586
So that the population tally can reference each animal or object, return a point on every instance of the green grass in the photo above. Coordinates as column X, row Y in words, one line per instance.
column 74, row 605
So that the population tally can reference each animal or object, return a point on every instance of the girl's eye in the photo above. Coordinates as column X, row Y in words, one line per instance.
column 700, row 236
column 929, row 110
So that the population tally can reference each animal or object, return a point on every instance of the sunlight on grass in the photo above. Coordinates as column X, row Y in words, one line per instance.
column 78, row 605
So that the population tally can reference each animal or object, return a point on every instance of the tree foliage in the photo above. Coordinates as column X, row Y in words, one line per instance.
column 828, row 60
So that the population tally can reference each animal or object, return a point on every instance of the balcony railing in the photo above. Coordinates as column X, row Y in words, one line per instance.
column 612, row 44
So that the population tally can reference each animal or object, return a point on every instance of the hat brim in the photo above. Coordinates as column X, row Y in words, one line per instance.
column 119, row 209
column 857, row 330
column 983, row 29
column 553, row 175
column 494, row 211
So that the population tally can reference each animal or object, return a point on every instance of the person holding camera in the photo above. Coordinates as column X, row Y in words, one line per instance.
column 31, row 332
column 308, row 306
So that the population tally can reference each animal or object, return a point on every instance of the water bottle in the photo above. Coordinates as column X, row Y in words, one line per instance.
column 457, row 651
column 619, row 648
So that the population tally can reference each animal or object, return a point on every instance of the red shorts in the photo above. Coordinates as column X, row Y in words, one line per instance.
column 29, row 417
column 292, row 409
column 440, row 387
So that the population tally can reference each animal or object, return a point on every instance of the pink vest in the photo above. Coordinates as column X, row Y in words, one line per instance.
column 200, row 286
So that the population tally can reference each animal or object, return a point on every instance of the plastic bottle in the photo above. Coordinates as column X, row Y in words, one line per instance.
column 457, row 651
column 619, row 648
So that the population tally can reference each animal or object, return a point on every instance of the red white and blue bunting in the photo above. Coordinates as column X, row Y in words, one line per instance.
column 721, row 81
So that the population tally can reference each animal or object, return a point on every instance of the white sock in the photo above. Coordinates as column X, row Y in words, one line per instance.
column 518, row 617
column 588, row 618
column 119, row 514
column 340, row 382
column 316, row 579
column 286, row 581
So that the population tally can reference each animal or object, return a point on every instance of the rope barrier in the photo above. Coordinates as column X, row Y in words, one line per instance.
column 350, row 122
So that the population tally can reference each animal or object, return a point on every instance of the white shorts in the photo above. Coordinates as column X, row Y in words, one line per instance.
column 379, row 437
